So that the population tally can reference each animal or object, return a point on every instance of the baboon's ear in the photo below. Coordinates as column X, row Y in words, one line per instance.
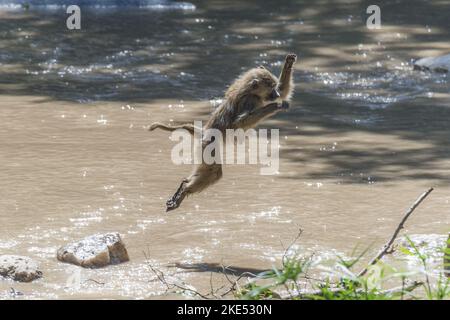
column 254, row 83
column 262, row 67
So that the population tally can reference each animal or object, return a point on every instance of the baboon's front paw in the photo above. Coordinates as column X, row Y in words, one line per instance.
column 284, row 105
column 291, row 58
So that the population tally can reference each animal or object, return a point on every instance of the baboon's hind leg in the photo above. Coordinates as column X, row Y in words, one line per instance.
column 202, row 177
column 175, row 201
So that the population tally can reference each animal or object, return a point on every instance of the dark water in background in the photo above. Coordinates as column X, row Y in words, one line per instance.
column 52, row 4
column 179, row 50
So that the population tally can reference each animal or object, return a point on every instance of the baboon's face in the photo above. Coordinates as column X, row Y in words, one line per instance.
column 264, row 84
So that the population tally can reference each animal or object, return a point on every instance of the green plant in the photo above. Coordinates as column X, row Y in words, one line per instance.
column 349, row 286
column 441, row 290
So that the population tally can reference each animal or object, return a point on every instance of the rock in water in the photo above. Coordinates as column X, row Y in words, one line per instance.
column 95, row 251
column 19, row 268
column 437, row 64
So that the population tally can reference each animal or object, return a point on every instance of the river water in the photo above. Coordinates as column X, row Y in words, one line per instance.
column 364, row 137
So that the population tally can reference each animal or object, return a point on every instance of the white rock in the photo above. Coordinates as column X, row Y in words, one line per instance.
column 437, row 64
column 95, row 251
column 19, row 268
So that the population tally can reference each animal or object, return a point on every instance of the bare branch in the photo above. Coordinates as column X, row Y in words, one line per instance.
column 171, row 285
column 387, row 247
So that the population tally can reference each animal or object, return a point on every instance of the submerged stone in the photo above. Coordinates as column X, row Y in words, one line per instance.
column 95, row 251
column 436, row 64
column 19, row 268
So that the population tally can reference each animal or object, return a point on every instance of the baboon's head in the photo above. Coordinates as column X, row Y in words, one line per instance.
column 257, row 81
column 264, row 84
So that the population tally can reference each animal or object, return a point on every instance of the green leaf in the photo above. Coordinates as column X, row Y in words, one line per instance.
column 406, row 251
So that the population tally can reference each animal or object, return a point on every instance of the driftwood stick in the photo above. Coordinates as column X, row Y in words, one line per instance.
column 389, row 244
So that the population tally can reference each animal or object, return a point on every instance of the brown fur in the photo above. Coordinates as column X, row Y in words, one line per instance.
column 255, row 95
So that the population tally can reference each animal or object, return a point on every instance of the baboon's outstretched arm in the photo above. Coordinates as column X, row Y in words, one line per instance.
column 250, row 119
column 286, row 85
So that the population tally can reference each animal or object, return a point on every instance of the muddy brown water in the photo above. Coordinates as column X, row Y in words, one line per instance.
column 364, row 137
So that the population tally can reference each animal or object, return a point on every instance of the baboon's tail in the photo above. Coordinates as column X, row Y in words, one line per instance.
column 189, row 127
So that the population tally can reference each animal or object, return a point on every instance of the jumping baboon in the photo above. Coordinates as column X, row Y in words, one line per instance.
column 255, row 95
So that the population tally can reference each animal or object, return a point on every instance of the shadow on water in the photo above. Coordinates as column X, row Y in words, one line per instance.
column 420, row 133
column 347, row 80
column 218, row 268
